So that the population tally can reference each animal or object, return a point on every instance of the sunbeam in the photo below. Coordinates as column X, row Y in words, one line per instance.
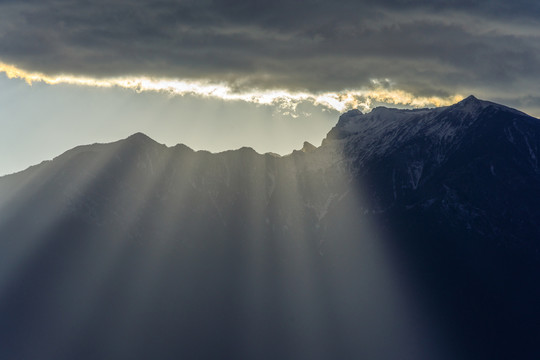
column 275, row 251
column 407, row 230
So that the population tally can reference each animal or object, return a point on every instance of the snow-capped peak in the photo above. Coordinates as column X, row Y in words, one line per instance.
column 473, row 106
column 380, row 118
column 384, row 129
column 470, row 105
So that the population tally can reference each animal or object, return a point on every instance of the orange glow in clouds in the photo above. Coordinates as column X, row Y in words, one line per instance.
column 340, row 101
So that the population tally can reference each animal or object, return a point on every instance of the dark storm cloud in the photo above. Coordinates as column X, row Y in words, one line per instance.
column 426, row 47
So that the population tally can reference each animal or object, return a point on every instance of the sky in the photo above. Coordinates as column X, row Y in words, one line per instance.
column 222, row 74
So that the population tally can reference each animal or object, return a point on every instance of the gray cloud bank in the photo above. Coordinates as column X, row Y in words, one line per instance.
column 490, row 48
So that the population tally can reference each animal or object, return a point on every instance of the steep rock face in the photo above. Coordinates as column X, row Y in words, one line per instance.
column 149, row 251
column 457, row 188
column 473, row 163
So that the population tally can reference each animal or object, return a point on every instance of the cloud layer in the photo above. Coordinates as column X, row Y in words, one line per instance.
column 423, row 48
column 283, row 98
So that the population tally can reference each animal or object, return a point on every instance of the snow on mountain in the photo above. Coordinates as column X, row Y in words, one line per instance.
column 397, row 153
column 437, row 158
column 240, row 238
column 383, row 130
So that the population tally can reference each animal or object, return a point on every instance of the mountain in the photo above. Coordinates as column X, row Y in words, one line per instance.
column 408, row 234
column 475, row 163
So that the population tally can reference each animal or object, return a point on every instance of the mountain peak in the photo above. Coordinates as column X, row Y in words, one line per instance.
column 471, row 104
column 308, row 147
column 471, row 101
column 353, row 112
column 470, row 98
column 139, row 136
column 140, row 139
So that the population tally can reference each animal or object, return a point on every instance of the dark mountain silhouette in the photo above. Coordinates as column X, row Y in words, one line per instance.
column 408, row 234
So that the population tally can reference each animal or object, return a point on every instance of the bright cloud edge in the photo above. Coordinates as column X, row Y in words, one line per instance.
column 285, row 99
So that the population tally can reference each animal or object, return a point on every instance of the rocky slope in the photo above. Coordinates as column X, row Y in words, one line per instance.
column 407, row 234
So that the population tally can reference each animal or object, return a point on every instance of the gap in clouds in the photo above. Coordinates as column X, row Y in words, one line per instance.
column 63, row 111
column 41, row 121
column 381, row 91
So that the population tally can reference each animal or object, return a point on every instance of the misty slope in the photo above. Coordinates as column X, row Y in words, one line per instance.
column 474, row 164
column 148, row 251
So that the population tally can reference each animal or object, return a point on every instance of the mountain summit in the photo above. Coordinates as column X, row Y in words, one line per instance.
column 407, row 234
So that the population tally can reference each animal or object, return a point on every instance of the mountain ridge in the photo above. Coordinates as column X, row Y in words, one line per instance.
column 233, row 254
column 140, row 137
column 416, row 144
